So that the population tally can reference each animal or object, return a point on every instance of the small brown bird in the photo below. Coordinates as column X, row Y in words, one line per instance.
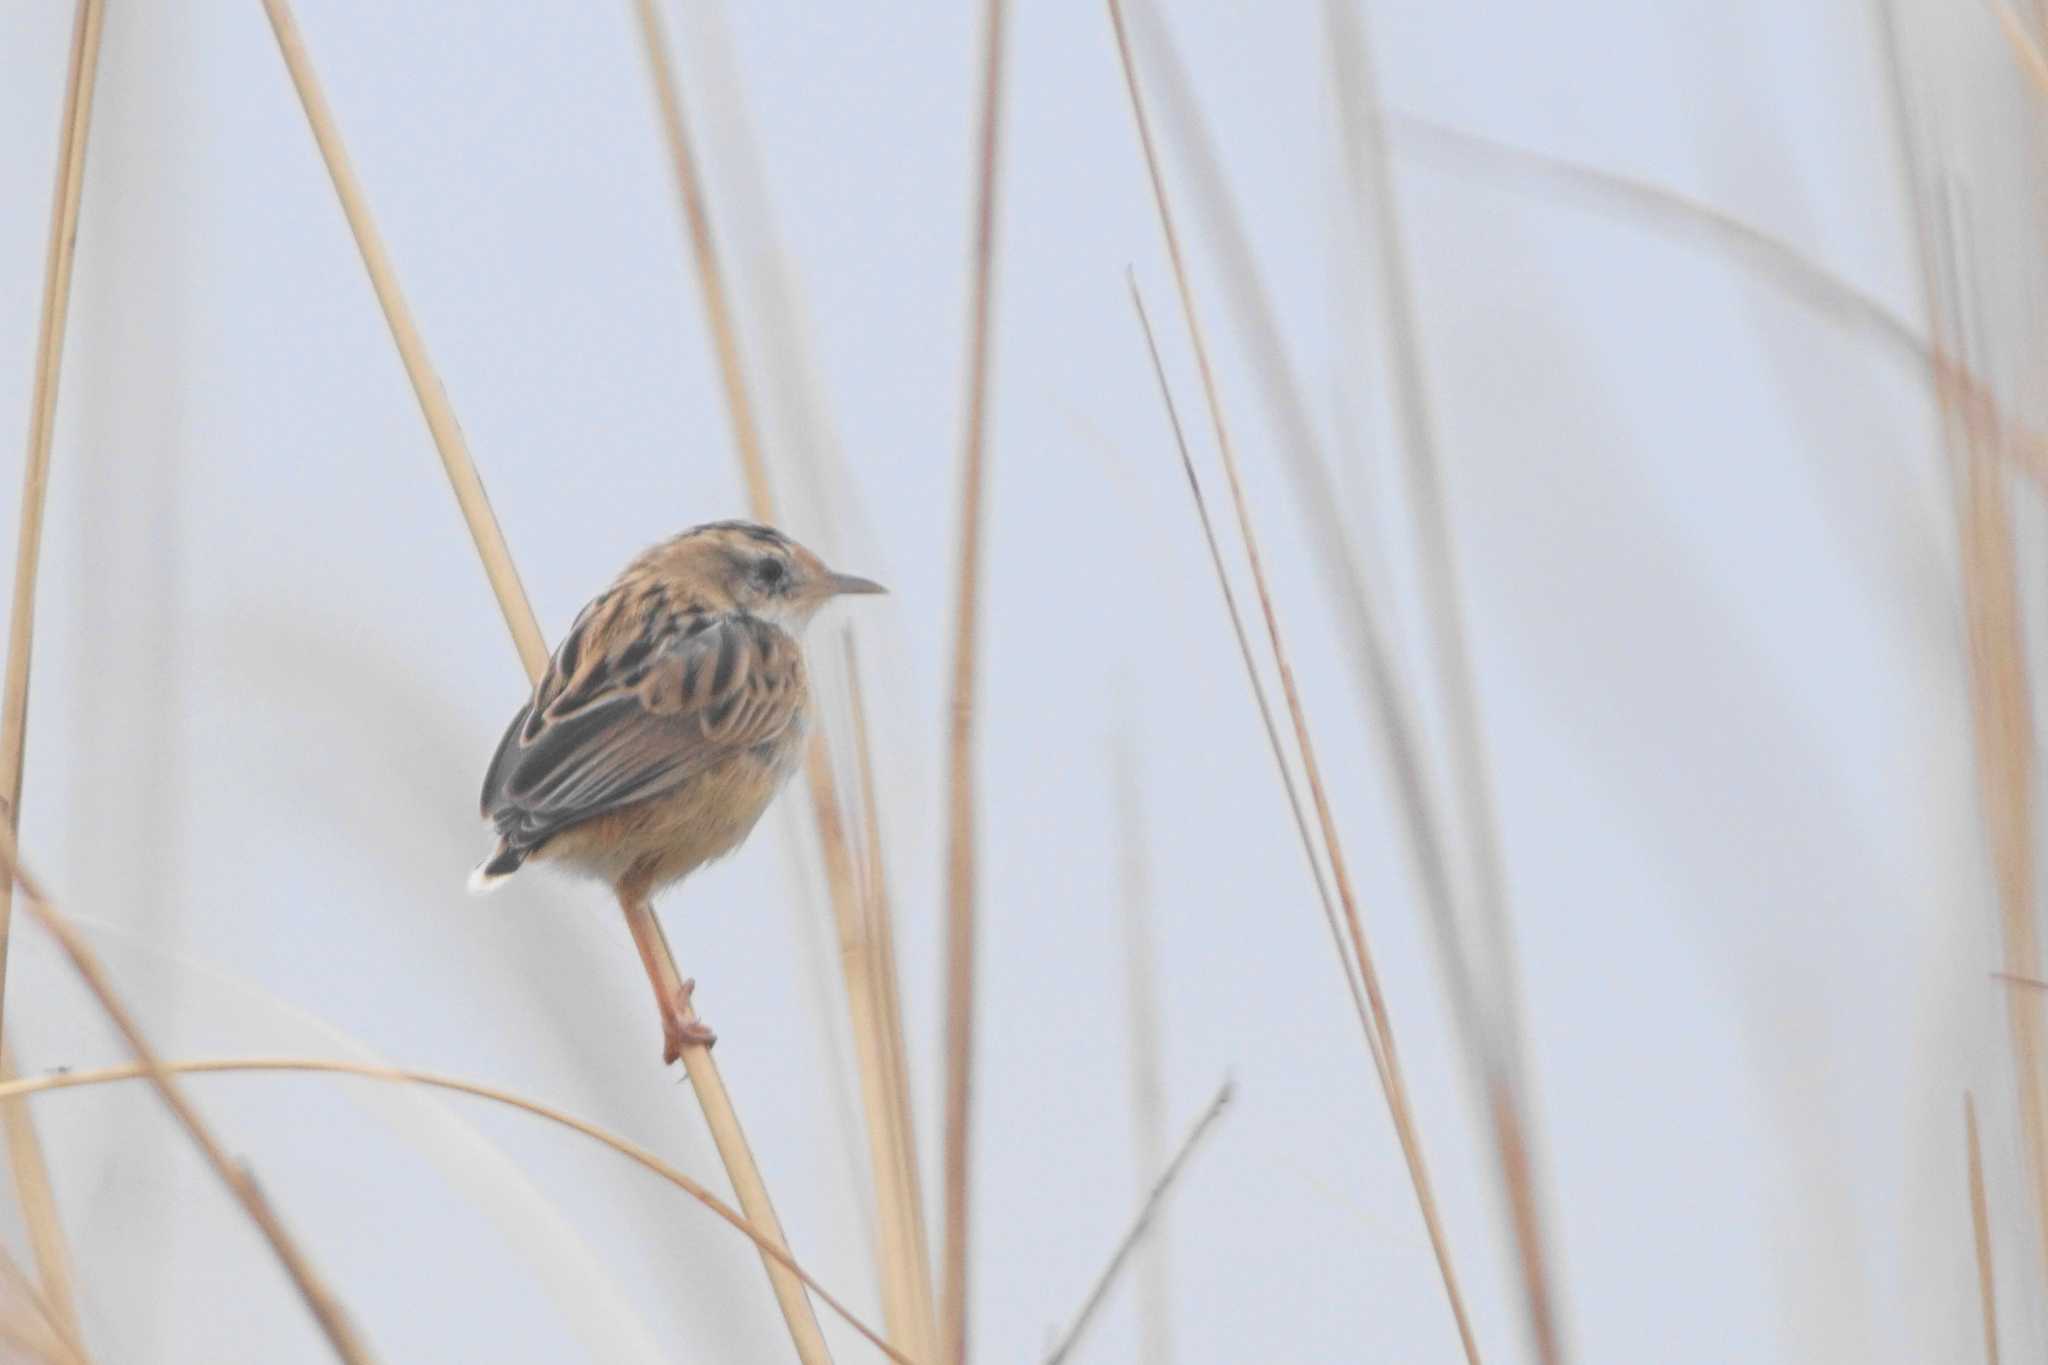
column 672, row 712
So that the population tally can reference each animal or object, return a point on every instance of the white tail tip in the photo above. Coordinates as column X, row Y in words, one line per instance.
column 482, row 882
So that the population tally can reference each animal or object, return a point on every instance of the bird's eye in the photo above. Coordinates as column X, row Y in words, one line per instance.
column 771, row 574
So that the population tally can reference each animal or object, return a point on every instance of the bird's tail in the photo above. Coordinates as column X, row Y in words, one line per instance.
column 502, row 863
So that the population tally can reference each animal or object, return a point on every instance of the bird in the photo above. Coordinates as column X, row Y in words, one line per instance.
column 668, row 717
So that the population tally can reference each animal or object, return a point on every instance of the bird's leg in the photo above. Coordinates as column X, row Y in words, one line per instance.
column 680, row 1026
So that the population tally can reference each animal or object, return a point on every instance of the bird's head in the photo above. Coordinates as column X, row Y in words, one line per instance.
column 760, row 570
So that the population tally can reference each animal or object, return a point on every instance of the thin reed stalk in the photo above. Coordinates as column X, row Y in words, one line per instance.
column 2001, row 695
column 38, row 1203
column 876, row 1015
column 705, row 1080
column 1148, row 1081
column 1381, row 1030
column 468, row 485
column 2004, row 731
column 739, row 407
column 2001, row 705
column 1771, row 259
column 2025, row 51
column 1506, row 1075
column 857, row 963
column 59, row 252
column 960, row 793
column 905, row 1185
column 1345, row 961
column 1980, row 1226
column 24, row 1148
column 23, row 1087
column 34, row 1333
column 1383, row 692
column 320, row 1300
column 1148, row 1214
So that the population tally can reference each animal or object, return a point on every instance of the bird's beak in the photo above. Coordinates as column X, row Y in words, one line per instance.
column 838, row 583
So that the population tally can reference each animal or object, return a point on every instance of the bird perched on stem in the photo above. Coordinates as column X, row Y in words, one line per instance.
column 672, row 712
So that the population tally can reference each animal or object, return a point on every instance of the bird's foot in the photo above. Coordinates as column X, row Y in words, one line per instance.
column 680, row 1027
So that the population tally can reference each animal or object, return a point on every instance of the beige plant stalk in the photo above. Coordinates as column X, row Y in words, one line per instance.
column 960, row 791
column 1379, row 1033
column 24, row 1147
column 866, row 963
column 705, row 1081
column 320, row 1300
column 14, row 1089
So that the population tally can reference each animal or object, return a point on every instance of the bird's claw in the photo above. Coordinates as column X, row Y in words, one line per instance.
column 680, row 1027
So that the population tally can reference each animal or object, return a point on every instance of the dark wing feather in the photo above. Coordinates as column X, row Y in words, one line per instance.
column 641, row 718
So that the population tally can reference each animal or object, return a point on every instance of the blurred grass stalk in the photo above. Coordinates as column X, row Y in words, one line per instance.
column 2033, row 63
column 15, row 1089
column 1474, row 945
column 1773, row 260
column 876, row 941
column 854, row 885
column 28, row 1325
column 1375, row 1021
column 1498, row 1036
column 1365, row 987
column 2002, row 712
column 1345, row 960
column 1141, row 1226
column 705, row 1080
column 38, row 1202
column 319, row 1299
column 961, row 909
column 1980, row 1228
column 24, row 1148
column 1148, row 1082
column 1978, row 446
column 1977, row 431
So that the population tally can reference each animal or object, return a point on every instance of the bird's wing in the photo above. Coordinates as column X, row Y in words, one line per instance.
column 609, row 726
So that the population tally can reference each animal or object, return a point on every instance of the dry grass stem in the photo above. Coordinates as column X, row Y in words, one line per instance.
column 1772, row 259
column 738, row 1158
column 960, row 862
column 770, row 1247
column 705, row 1080
column 875, row 1018
column 1345, row 962
column 882, row 944
column 1148, row 1081
column 896, row 1260
column 326, row 1309
column 903, row 1189
column 1381, row 689
column 1148, row 1213
column 24, row 1149
column 2001, row 705
column 1980, row 1224
column 2001, row 710
column 1506, row 1074
column 1520, row 170
column 739, row 407
column 412, row 349
column 61, row 249
column 905, row 1269
column 29, row 1324
column 2004, row 733
column 1385, row 1055
column 46, row 1238
column 2025, row 51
